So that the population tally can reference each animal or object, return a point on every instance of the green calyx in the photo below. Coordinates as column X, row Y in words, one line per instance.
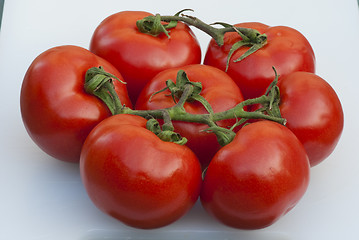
column 250, row 38
column 271, row 105
column 167, row 135
column 154, row 25
column 99, row 83
column 253, row 44
column 224, row 135
column 177, row 90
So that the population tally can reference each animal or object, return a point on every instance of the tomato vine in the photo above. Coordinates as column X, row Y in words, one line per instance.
column 100, row 84
column 250, row 37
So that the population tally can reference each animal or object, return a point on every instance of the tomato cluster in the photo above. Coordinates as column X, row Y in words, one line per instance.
column 230, row 131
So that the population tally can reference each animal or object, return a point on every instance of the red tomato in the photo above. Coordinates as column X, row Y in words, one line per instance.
column 287, row 50
column 132, row 175
column 313, row 112
column 139, row 56
column 217, row 88
column 57, row 112
column 257, row 178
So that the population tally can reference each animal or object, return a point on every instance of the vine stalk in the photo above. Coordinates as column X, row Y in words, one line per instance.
column 269, row 101
column 153, row 25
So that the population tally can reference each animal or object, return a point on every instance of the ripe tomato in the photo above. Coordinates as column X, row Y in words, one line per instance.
column 132, row 175
column 257, row 178
column 139, row 56
column 287, row 50
column 313, row 112
column 57, row 112
column 217, row 88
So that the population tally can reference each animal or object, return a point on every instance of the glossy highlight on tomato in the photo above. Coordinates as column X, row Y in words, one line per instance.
column 313, row 112
column 139, row 56
column 257, row 178
column 132, row 175
column 57, row 112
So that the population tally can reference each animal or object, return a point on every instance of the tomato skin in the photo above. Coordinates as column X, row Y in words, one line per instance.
column 287, row 50
column 57, row 112
column 313, row 112
column 132, row 175
column 257, row 178
column 218, row 89
column 139, row 56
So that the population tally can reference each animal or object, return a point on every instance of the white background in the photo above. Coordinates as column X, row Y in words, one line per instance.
column 42, row 198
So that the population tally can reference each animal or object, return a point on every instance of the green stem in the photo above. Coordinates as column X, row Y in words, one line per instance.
column 187, row 92
column 177, row 113
column 167, row 125
column 239, row 112
column 216, row 33
column 99, row 83
column 153, row 25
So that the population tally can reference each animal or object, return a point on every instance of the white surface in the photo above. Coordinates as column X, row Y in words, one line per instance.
column 42, row 198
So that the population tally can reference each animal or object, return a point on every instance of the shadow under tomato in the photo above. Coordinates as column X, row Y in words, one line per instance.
column 184, row 234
